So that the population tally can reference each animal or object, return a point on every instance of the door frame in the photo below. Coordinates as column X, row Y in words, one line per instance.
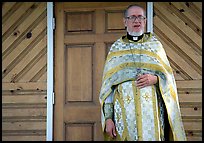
column 50, row 60
column 50, row 70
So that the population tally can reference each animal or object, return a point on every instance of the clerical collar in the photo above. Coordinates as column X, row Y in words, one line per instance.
column 134, row 38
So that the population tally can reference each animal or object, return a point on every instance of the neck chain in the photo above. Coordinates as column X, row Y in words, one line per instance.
column 138, row 67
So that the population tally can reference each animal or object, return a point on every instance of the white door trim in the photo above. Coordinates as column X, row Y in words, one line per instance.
column 150, row 17
column 50, row 92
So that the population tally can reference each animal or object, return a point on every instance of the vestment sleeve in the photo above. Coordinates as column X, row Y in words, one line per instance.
column 108, row 107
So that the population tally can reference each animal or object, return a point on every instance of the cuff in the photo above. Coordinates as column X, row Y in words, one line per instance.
column 108, row 110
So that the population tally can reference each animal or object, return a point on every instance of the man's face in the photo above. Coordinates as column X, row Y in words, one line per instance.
column 136, row 22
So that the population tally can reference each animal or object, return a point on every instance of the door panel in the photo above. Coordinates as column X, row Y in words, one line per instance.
column 84, row 33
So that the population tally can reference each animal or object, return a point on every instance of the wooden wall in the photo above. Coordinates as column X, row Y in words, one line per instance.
column 179, row 27
column 24, row 55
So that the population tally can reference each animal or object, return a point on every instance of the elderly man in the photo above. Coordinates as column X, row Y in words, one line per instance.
column 138, row 97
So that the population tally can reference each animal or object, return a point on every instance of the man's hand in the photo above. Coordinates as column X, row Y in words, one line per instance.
column 146, row 80
column 110, row 128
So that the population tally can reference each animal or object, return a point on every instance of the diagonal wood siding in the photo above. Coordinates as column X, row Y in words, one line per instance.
column 179, row 27
column 24, row 55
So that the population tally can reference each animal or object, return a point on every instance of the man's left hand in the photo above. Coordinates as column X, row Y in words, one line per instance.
column 146, row 80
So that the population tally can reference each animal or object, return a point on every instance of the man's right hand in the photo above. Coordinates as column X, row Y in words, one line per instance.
column 110, row 128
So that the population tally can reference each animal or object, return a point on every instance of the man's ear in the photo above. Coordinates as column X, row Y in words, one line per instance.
column 145, row 21
column 125, row 22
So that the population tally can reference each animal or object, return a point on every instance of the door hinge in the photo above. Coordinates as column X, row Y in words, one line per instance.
column 53, row 98
column 53, row 23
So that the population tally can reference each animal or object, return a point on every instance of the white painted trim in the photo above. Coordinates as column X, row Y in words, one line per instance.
column 50, row 98
column 150, row 17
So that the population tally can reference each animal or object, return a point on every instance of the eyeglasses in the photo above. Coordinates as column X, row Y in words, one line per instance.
column 132, row 18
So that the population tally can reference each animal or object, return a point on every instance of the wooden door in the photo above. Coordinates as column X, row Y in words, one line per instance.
column 83, row 35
